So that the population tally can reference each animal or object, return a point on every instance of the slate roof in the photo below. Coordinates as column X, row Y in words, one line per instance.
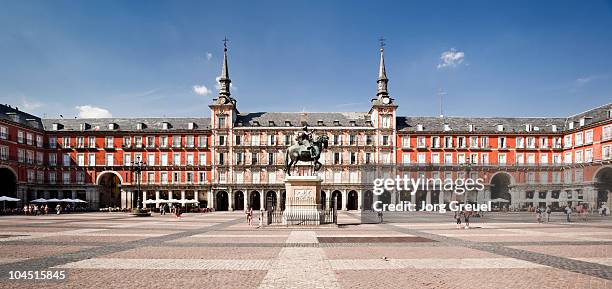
column 128, row 124
column 298, row 119
column 15, row 115
column 591, row 116
column 480, row 124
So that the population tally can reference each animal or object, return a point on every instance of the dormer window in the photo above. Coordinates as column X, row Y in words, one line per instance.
column 368, row 122
column 287, row 123
column 446, row 127
column 140, row 126
column 112, row 126
column 336, row 122
column 166, row 125
column 192, row 125
column 571, row 125
column 256, row 123
column 536, row 128
column 553, row 127
column 353, row 123
column 500, row 127
column 610, row 113
column 470, row 127
column 320, row 122
column 57, row 126
column 528, row 127
column 270, row 123
column 419, row 127
column 84, row 126
column 582, row 121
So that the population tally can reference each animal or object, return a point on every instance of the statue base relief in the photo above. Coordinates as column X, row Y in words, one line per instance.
column 303, row 201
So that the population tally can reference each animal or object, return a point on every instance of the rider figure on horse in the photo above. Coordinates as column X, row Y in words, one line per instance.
column 305, row 139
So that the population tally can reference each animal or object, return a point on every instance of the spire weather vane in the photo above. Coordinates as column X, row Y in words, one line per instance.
column 382, row 42
column 225, row 40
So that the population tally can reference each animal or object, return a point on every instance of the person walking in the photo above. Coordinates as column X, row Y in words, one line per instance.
column 458, row 218
column 568, row 213
column 548, row 212
column 250, row 216
column 58, row 209
column 261, row 217
column 467, row 215
column 538, row 212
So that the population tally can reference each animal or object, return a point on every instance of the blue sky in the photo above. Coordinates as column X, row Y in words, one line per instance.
column 143, row 58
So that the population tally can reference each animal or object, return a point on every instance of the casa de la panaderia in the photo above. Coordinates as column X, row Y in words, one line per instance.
column 235, row 159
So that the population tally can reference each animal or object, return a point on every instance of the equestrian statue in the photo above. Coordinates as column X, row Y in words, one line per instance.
column 306, row 150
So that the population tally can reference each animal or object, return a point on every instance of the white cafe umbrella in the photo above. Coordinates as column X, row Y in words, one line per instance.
column 54, row 200
column 5, row 199
column 41, row 200
column 67, row 200
column 149, row 201
column 79, row 201
column 500, row 200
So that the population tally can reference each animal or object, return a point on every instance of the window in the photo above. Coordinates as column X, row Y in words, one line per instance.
column 109, row 160
column 568, row 157
column 176, row 141
column 337, row 158
column 20, row 136
column 461, row 142
column 520, row 142
column 607, row 132
column 557, row 142
column 238, row 140
column 567, row 141
column 368, row 158
column 448, row 158
column 520, row 159
column 406, row 158
column 151, row 177
column 254, row 158
column 66, row 178
column 544, row 142
column 52, row 177
column 138, row 141
column 531, row 159
column 176, row 177
column 421, row 158
column 543, row 159
column 461, row 159
column 588, row 136
column 421, row 142
column 4, row 132
column 352, row 140
column 557, row 159
column 52, row 160
column 588, row 155
column 127, row 141
column 109, row 142
column 189, row 177
column 385, row 140
column 606, row 152
column 353, row 156
column 163, row 159
column 578, row 140
column 163, row 177
column 176, row 159
column 127, row 159
column 190, row 161
column 255, row 140
column 163, row 141
column 20, row 155
column 501, row 142
column 406, row 141
column 81, row 160
column 91, row 142
column 221, row 123
column 80, row 142
column 435, row 158
column 270, row 158
column 190, row 140
column 473, row 142
column 272, row 177
column 448, row 142
column 578, row 157
column 203, row 141
column 435, row 142
column 80, row 177
column 52, row 142
column 39, row 141
column 531, row 142
column 271, row 139
column 66, row 142
column 287, row 139
column 484, row 142
column 202, row 159
column 4, row 152
column 150, row 141
column 202, row 177
column 66, row 160
column 221, row 158
column 151, row 159
column 386, row 121
column 255, row 177
column 484, row 158
column 369, row 140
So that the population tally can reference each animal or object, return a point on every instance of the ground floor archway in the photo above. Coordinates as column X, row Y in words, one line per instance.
column 271, row 200
column 110, row 191
column 222, row 201
column 323, row 200
column 255, row 200
column 500, row 187
column 239, row 200
column 368, row 200
column 352, row 201
column 337, row 197
column 603, row 186
column 8, row 182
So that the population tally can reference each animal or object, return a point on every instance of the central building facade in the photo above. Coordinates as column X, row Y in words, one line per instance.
column 234, row 160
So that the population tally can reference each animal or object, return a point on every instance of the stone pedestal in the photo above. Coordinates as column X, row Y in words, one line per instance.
column 303, row 201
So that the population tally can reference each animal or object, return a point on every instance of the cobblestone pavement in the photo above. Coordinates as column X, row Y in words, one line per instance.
column 218, row 250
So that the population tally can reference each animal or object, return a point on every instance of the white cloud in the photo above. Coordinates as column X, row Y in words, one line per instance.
column 585, row 80
column 88, row 111
column 208, row 55
column 30, row 104
column 201, row 89
column 451, row 58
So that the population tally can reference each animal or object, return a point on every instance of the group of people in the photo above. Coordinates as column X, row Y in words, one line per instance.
column 462, row 218
column 36, row 210
column 176, row 210
column 249, row 217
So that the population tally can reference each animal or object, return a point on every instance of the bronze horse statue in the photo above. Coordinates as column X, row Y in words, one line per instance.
column 301, row 152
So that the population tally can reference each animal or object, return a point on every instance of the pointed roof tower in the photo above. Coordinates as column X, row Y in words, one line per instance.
column 382, row 81
column 224, row 80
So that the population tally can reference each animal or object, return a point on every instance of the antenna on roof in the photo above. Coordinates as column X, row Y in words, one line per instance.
column 441, row 94
column 61, row 116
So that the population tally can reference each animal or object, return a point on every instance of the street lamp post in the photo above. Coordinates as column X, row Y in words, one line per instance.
column 136, row 168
